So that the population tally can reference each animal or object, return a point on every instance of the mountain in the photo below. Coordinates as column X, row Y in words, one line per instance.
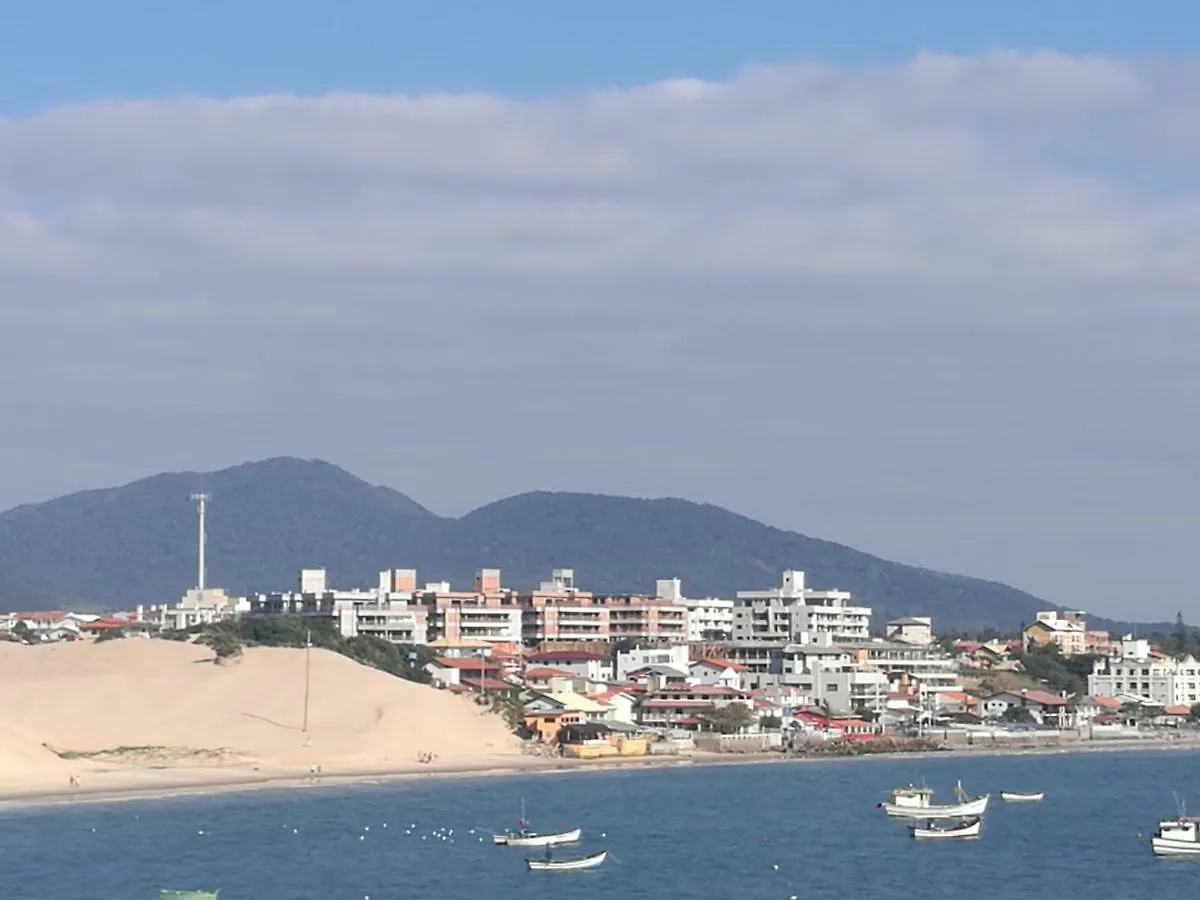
column 136, row 544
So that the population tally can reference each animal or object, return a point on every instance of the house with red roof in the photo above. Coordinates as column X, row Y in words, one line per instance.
column 687, row 705
column 1045, row 708
column 548, row 678
column 714, row 670
column 473, row 672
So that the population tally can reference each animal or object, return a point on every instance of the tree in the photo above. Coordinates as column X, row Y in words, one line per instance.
column 225, row 644
column 110, row 634
column 730, row 719
column 22, row 630
column 770, row 723
column 1018, row 714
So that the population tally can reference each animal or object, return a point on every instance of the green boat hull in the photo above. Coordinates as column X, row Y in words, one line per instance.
column 188, row 895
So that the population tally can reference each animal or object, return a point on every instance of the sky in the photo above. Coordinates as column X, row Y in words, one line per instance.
column 920, row 278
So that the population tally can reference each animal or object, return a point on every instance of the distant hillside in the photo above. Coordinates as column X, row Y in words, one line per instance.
column 136, row 544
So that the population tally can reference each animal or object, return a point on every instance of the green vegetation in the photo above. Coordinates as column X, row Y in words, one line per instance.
column 1018, row 714
column 228, row 638
column 110, row 634
column 730, row 719
column 1056, row 672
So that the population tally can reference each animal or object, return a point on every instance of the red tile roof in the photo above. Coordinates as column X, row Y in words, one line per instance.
column 546, row 672
column 719, row 663
column 471, row 664
column 1177, row 710
column 550, row 656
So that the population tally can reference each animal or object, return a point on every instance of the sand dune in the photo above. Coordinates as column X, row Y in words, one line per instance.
column 119, row 709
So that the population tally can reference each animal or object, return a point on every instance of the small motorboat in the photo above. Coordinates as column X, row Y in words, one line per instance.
column 1015, row 797
column 533, row 839
column 964, row 828
column 916, row 803
column 188, row 895
column 1177, row 837
column 564, row 865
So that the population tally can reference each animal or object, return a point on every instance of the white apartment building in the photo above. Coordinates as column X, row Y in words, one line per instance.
column 1135, row 672
column 708, row 618
column 785, row 612
column 198, row 606
column 926, row 666
column 816, row 668
column 379, row 612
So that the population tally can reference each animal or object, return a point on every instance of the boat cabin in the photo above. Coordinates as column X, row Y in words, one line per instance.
column 1185, row 828
column 914, row 797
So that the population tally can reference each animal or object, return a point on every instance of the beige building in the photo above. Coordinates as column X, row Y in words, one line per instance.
column 1067, row 630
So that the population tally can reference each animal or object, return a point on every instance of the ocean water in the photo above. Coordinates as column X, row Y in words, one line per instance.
column 683, row 832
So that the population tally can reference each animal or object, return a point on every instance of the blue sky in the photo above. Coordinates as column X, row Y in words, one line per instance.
column 54, row 52
column 938, row 307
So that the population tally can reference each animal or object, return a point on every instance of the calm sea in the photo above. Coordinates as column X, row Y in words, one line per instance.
column 711, row 833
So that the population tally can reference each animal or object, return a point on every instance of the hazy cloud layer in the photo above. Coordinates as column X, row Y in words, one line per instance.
column 945, row 311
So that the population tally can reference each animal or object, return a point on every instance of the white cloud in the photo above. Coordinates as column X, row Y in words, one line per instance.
column 945, row 273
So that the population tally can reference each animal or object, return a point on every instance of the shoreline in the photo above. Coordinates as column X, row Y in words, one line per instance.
column 247, row 782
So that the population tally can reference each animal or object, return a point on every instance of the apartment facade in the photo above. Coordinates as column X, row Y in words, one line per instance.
column 1137, row 672
column 784, row 613
column 707, row 618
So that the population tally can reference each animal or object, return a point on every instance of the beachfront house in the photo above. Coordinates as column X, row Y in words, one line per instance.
column 715, row 670
column 473, row 672
column 546, row 714
column 1044, row 708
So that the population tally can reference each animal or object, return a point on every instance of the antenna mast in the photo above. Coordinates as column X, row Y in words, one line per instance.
column 200, row 500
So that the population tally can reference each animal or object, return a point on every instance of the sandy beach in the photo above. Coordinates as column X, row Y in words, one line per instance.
column 132, row 715
column 137, row 718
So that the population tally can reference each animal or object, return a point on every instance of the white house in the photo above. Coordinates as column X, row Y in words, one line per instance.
column 716, row 671
column 910, row 630
column 597, row 667
column 1045, row 708
column 632, row 660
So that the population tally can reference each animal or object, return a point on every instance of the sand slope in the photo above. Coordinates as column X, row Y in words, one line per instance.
column 83, row 698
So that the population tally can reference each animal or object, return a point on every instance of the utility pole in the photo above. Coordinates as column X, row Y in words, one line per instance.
column 200, row 500
column 307, row 660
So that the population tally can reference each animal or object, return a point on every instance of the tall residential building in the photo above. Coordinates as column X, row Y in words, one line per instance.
column 380, row 612
column 708, row 618
column 784, row 613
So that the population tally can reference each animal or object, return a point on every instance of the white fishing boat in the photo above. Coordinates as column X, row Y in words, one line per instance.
column 1015, row 797
column 964, row 828
column 525, row 837
column 917, row 803
column 532, row 839
column 1177, row 837
column 566, row 865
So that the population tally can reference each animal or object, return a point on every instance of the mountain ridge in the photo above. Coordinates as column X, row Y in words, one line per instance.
column 135, row 543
